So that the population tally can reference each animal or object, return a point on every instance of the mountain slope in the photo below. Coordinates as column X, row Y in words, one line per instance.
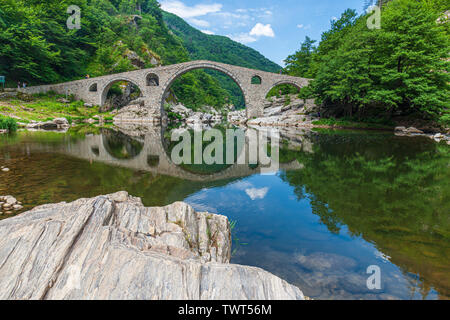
column 217, row 48
column 115, row 36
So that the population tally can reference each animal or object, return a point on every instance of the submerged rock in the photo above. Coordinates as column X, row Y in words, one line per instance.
column 112, row 247
column 55, row 124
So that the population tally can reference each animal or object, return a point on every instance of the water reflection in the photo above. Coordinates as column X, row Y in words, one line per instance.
column 119, row 145
column 342, row 201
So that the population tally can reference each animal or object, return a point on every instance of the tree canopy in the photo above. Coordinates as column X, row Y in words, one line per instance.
column 401, row 68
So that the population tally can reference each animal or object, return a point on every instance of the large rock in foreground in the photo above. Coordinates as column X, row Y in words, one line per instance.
column 112, row 247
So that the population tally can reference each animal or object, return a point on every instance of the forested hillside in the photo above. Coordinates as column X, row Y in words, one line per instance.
column 115, row 36
column 400, row 69
column 217, row 48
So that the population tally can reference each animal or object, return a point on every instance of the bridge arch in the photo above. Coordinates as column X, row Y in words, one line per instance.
column 281, row 82
column 109, row 84
column 195, row 66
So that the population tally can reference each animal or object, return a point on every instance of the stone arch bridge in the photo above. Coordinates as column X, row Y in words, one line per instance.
column 155, row 83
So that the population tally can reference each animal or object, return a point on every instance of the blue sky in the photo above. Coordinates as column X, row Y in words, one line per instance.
column 274, row 28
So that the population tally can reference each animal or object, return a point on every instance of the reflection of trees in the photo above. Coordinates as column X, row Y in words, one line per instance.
column 121, row 146
column 389, row 190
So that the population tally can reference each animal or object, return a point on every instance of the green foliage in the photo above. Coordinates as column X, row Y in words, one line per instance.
column 306, row 93
column 282, row 90
column 197, row 88
column 352, row 122
column 402, row 67
column 8, row 123
column 299, row 64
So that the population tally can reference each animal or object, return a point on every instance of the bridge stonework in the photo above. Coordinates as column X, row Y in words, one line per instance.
column 155, row 83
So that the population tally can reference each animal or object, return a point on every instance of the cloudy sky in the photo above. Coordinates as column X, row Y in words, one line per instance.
column 275, row 28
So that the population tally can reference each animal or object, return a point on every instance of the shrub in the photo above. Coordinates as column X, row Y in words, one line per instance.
column 69, row 119
column 8, row 123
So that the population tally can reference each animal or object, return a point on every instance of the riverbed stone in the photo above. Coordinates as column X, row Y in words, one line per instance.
column 10, row 200
column 105, row 248
column 413, row 130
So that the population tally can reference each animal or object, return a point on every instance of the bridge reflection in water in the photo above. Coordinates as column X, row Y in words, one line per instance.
column 143, row 148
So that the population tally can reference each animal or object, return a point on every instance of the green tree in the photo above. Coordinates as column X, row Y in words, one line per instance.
column 402, row 67
column 299, row 64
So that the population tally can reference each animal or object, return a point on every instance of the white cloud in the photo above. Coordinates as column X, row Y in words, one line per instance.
column 184, row 11
column 207, row 31
column 254, row 193
column 242, row 185
column 243, row 38
column 300, row 26
column 334, row 18
column 262, row 30
column 200, row 23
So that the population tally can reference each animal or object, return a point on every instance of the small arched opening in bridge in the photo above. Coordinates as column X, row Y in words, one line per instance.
column 207, row 88
column 152, row 80
column 256, row 80
column 285, row 91
column 93, row 87
column 119, row 93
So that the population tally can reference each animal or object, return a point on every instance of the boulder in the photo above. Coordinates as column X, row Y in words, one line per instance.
column 55, row 124
column 237, row 117
column 412, row 130
column 112, row 247
column 48, row 125
column 61, row 123
column 181, row 110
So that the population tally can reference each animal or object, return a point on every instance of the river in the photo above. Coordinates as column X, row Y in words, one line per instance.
column 341, row 202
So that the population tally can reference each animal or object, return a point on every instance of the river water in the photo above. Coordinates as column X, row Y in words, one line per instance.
column 341, row 202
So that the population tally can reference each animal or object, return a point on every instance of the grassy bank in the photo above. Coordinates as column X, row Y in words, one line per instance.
column 46, row 107
column 345, row 123
column 7, row 123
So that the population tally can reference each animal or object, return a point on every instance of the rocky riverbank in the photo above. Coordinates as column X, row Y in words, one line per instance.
column 206, row 117
column 412, row 131
column 112, row 247
column 288, row 111
column 9, row 204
